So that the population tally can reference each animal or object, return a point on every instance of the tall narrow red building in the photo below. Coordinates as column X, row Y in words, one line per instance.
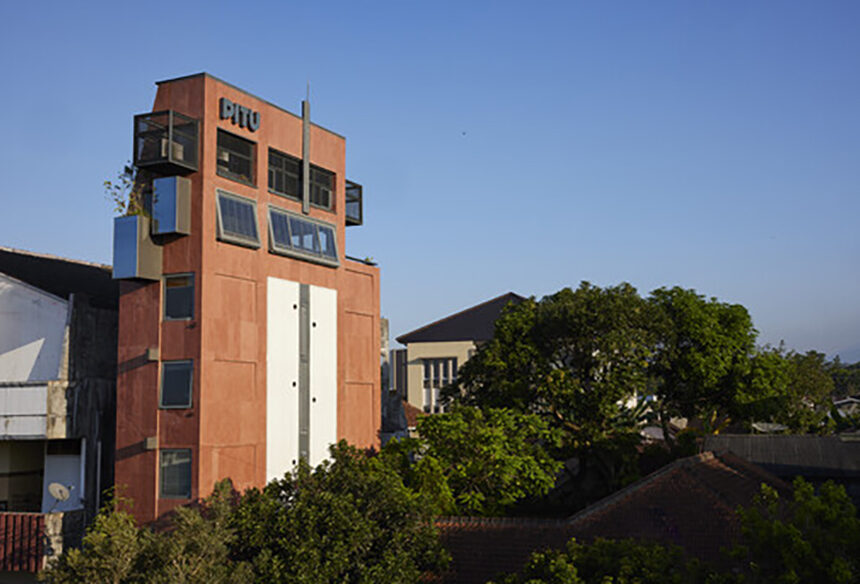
column 247, row 338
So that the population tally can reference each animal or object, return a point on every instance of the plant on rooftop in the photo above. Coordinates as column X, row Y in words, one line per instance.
column 127, row 191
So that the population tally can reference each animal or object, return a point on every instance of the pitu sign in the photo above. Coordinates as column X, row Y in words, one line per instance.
column 242, row 116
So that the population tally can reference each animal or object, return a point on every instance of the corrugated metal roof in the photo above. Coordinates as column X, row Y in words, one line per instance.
column 785, row 454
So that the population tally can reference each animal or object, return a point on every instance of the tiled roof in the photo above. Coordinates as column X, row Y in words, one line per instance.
column 482, row 548
column 412, row 414
column 690, row 503
column 472, row 324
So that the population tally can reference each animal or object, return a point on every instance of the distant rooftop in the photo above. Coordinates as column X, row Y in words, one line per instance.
column 61, row 276
column 472, row 324
column 667, row 506
column 807, row 455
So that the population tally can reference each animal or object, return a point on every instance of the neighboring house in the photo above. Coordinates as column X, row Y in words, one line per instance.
column 248, row 338
column 815, row 458
column 690, row 503
column 58, row 326
column 435, row 352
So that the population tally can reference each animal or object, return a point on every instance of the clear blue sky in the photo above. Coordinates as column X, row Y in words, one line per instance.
column 502, row 145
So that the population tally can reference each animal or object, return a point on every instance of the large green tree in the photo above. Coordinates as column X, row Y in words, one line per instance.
column 350, row 520
column 476, row 462
column 701, row 357
column 815, row 537
column 575, row 357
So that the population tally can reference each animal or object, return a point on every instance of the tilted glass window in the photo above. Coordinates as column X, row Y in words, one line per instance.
column 176, row 473
column 176, row 377
column 235, row 157
column 300, row 237
column 179, row 296
column 237, row 219
column 285, row 174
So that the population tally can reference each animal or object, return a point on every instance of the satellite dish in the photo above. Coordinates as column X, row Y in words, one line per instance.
column 59, row 491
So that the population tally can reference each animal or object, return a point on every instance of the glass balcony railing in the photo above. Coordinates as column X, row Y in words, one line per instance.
column 354, row 206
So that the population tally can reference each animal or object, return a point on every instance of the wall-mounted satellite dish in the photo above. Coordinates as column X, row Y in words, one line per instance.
column 59, row 491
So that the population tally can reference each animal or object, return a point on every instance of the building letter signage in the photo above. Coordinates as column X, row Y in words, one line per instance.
column 241, row 115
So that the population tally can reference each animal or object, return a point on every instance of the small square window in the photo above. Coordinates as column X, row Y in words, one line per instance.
column 176, row 377
column 236, row 158
column 176, row 474
column 179, row 297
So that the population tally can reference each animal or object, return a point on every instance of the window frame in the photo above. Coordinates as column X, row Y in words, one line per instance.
column 164, row 296
column 300, row 253
column 185, row 495
column 273, row 190
column 219, row 228
column 331, row 192
column 226, row 173
column 190, row 404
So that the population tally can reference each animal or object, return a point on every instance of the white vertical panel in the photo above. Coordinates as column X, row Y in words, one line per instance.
column 323, row 372
column 282, row 372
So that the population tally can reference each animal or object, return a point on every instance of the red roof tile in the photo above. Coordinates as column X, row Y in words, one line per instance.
column 690, row 503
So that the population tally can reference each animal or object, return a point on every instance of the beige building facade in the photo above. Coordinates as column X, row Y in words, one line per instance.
column 435, row 352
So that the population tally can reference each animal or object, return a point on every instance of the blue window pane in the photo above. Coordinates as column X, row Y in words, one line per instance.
column 327, row 243
column 238, row 219
column 304, row 235
column 280, row 229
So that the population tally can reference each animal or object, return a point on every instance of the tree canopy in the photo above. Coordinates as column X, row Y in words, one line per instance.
column 476, row 462
column 349, row 520
column 607, row 561
column 812, row 538
column 579, row 357
column 575, row 357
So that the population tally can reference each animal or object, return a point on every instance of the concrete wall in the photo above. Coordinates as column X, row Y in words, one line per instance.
column 33, row 332
column 417, row 352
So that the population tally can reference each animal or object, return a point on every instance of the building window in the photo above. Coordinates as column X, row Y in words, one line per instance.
column 235, row 158
column 301, row 237
column 176, row 474
column 237, row 220
column 285, row 178
column 285, row 174
column 179, row 297
column 176, row 379
column 438, row 373
column 322, row 187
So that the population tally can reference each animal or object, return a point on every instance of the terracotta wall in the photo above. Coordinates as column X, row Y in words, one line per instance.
column 227, row 339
